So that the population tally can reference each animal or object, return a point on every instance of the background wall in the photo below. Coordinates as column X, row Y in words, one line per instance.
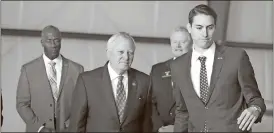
column 139, row 18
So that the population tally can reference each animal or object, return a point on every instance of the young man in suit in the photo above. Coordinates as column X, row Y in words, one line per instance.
column 45, row 86
column 163, row 103
column 114, row 97
column 215, row 85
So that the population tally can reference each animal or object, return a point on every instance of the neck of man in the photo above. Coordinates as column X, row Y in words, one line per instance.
column 51, row 57
column 202, row 50
column 118, row 71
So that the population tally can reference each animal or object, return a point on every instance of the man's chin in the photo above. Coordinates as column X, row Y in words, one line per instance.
column 125, row 67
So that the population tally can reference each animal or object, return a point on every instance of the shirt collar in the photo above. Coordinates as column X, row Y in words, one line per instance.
column 57, row 60
column 208, row 53
column 113, row 75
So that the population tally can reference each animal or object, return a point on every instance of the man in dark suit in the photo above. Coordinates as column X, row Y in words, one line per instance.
column 1, row 109
column 215, row 85
column 163, row 103
column 115, row 97
column 45, row 86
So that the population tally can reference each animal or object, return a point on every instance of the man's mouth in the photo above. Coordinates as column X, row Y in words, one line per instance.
column 178, row 50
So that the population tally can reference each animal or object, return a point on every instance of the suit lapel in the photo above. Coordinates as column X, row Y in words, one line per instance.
column 188, row 72
column 63, row 75
column 185, row 69
column 44, row 77
column 108, row 93
column 132, row 95
column 170, row 90
column 217, row 66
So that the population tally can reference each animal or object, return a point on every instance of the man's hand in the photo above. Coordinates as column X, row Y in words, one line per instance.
column 247, row 118
column 169, row 128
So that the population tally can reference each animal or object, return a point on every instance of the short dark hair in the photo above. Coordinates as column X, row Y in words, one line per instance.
column 201, row 9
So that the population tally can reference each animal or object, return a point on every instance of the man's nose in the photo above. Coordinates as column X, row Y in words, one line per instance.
column 205, row 32
column 126, row 55
column 179, row 45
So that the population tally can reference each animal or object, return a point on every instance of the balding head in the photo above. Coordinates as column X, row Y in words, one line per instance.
column 180, row 41
column 50, row 29
column 51, row 41
column 120, row 51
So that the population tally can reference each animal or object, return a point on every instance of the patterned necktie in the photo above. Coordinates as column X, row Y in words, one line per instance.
column 53, row 79
column 120, row 97
column 203, row 79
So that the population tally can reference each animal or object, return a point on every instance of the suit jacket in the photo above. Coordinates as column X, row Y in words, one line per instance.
column 1, row 110
column 94, row 108
column 233, row 87
column 163, row 103
column 35, row 103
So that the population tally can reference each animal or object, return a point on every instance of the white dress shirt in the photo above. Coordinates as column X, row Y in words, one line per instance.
column 58, row 67
column 196, row 66
column 114, row 80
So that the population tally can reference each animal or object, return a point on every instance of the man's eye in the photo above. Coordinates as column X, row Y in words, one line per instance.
column 210, row 27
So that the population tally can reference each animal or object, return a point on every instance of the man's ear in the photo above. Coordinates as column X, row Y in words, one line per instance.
column 107, row 51
column 188, row 26
column 42, row 42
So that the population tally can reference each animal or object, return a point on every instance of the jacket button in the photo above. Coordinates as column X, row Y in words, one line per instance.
column 50, row 119
column 50, row 105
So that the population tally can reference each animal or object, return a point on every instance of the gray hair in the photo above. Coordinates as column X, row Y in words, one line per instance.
column 180, row 29
column 113, row 39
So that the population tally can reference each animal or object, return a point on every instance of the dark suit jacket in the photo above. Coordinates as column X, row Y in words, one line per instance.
column 1, row 110
column 34, row 101
column 94, row 108
column 163, row 103
column 233, row 87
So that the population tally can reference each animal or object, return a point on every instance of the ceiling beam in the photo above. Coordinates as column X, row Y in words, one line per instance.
column 105, row 37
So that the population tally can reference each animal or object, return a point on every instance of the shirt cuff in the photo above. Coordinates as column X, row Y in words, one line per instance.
column 257, row 108
column 40, row 128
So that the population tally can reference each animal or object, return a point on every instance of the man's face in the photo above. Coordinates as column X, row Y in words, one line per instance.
column 121, row 54
column 180, row 42
column 202, row 30
column 51, row 41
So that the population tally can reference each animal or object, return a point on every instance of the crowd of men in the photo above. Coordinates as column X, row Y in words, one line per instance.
column 204, row 87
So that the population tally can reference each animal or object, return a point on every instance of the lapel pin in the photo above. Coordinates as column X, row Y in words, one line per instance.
column 133, row 83
column 220, row 58
column 167, row 74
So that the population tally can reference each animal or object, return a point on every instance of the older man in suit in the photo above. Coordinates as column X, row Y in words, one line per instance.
column 215, row 85
column 163, row 103
column 115, row 97
column 45, row 86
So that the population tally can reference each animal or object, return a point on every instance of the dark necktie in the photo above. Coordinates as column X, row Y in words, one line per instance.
column 120, row 97
column 203, row 79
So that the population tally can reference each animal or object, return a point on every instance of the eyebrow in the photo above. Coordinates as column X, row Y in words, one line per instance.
column 202, row 25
